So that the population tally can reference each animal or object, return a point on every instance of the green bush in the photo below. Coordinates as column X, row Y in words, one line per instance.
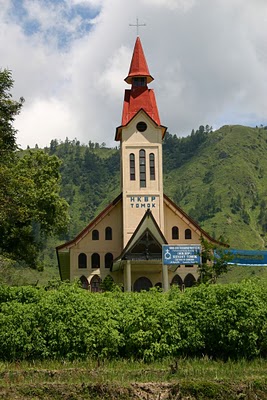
column 68, row 322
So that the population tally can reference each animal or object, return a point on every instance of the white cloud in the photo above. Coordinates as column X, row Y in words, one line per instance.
column 208, row 58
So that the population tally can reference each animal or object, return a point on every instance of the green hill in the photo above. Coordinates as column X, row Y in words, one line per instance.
column 224, row 185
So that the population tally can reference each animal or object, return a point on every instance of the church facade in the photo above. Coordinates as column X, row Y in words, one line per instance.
column 124, row 242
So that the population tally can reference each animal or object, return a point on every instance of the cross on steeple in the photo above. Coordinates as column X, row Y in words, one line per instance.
column 137, row 26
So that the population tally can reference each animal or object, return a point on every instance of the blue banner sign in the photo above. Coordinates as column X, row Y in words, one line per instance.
column 181, row 254
column 247, row 257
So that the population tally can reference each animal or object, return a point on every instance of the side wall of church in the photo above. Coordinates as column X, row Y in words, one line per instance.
column 108, row 229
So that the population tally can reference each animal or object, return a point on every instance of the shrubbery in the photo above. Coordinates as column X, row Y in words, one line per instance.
column 67, row 322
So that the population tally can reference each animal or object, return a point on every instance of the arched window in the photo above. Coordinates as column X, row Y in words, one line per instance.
column 189, row 280
column 108, row 233
column 175, row 232
column 142, row 283
column 152, row 166
column 95, row 260
column 142, row 167
column 84, row 282
column 188, row 234
column 108, row 260
column 158, row 285
column 82, row 260
column 95, row 234
column 132, row 167
column 177, row 280
column 95, row 284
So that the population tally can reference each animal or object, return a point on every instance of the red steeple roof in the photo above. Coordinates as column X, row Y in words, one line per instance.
column 139, row 97
column 138, row 67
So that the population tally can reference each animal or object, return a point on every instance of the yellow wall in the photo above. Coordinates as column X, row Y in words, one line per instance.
column 88, row 246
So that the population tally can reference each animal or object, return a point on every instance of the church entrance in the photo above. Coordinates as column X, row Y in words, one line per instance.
column 142, row 283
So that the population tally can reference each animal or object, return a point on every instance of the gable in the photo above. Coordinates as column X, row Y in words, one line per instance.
column 145, row 243
column 111, row 215
column 158, row 131
column 175, row 216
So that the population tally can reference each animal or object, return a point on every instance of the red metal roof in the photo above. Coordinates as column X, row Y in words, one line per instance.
column 138, row 67
column 139, row 98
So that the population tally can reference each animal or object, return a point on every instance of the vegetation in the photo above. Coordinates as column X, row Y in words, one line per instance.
column 183, row 379
column 214, row 262
column 30, row 205
column 63, row 321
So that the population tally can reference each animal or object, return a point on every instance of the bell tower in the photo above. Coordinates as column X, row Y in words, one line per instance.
column 140, row 136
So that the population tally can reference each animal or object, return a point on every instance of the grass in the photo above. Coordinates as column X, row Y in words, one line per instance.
column 128, row 380
column 124, row 372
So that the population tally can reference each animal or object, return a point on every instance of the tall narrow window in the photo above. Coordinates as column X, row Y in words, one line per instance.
column 84, row 282
column 188, row 234
column 108, row 260
column 108, row 233
column 132, row 167
column 82, row 260
column 152, row 166
column 95, row 234
column 142, row 167
column 175, row 232
column 95, row 284
column 95, row 260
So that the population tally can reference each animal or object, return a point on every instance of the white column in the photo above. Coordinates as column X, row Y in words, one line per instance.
column 128, row 287
column 165, row 278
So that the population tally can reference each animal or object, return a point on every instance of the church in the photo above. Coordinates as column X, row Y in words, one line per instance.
column 123, row 244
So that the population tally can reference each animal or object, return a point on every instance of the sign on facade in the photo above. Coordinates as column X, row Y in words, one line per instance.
column 181, row 254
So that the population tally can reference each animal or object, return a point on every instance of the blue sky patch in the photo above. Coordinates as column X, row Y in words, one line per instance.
column 19, row 14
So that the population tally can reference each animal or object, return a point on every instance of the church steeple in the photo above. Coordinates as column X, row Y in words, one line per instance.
column 138, row 68
column 139, row 97
column 140, row 135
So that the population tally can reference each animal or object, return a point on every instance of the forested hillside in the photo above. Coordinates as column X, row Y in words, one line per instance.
column 219, row 178
column 224, row 185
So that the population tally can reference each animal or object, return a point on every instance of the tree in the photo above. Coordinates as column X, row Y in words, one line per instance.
column 30, row 205
column 9, row 108
column 214, row 261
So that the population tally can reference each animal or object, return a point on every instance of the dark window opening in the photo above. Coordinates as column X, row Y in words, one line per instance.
column 142, row 163
column 95, row 284
column 82, row 261
column 188, row 234
column 139, row 81
column 152, row 166
column 177, row 280
column 95, row 234
column 142, row 283
column 95, row 260
column 108, row 233
column 141, row 126
column 108, row 260
column 189, row 280
column 132, row 167
column 84, row 282
column 175, row 232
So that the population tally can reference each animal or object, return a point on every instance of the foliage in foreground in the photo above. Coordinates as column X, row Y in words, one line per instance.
column 68, row 322
column 30, row 204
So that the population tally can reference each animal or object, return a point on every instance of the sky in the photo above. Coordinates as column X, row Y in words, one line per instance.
column 69, row 59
